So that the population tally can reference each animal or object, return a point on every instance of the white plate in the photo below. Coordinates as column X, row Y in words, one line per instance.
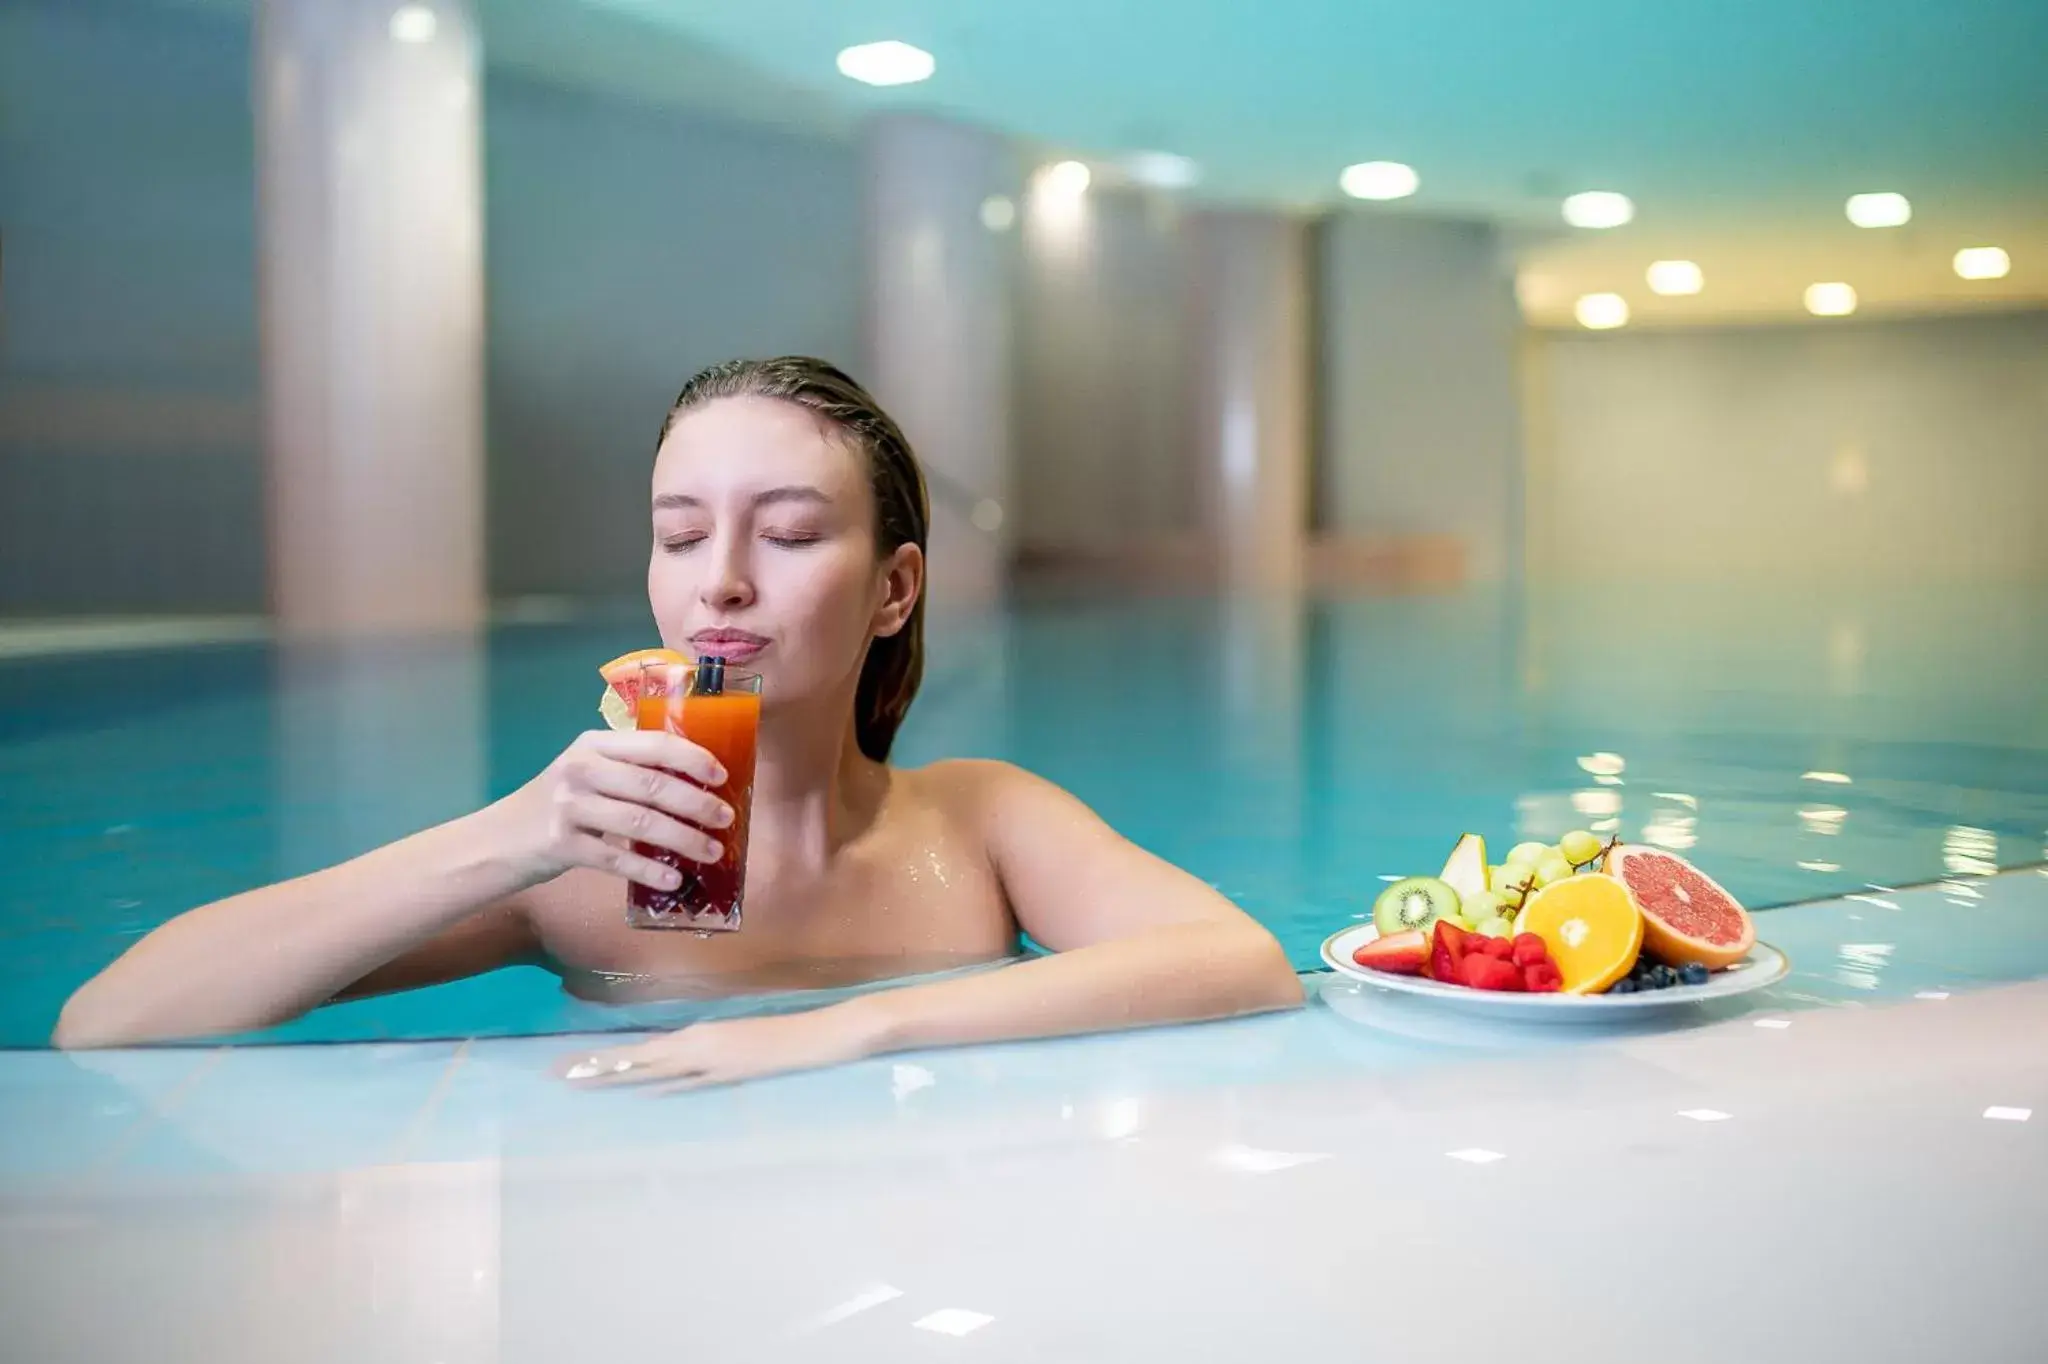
column 1764, row 966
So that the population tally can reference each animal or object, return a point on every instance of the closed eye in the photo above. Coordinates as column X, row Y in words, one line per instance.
column 680, row 544
column 792, row 539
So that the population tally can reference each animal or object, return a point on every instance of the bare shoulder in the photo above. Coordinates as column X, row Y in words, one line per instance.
column 986, row 789
column 1007, row 809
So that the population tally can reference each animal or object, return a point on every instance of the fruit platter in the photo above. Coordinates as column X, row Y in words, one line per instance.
column 1578, row 931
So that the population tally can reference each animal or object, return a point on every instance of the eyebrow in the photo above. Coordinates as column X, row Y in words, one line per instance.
column 795, row 492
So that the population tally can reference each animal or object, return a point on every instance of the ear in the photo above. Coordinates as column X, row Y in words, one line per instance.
column 902, row 584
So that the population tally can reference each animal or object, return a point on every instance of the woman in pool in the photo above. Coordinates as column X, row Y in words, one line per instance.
column 789, row 532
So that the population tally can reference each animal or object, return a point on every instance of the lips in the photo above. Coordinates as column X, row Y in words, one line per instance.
column 734, row 646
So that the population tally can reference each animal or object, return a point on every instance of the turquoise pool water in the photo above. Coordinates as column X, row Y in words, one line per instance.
column 1797, row 744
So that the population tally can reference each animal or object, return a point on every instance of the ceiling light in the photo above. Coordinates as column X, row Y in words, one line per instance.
column 2001, row 1114
column 1879, row 210
column 1598, row 208
column 1162, row 170
column 1379, row 180
column 413, row 24
column 1983, row 262
column 1671, row 277
column 1832, row 778
column 1601, row 312
column 1065, row 179
column 1476, row 1155
column 1704, row 1114
column 1830, row 300
column 998, row 213
column 887, row 63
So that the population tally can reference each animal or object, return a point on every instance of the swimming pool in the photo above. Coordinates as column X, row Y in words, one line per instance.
column 1797, row 743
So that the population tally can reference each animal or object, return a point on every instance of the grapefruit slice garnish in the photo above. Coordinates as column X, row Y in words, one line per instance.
column 1592, row 927
column 620, row 703
column 1687, row 917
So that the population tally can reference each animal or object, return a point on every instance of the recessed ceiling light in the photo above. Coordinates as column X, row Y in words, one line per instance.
column 887, row 63
column 1704, row 1114
column 998, row 213
column 1983, row 262
column 1833, row 299
column 1162, row 170
column 1379, row 180
column 1601, row 312
column 413, row 24
column 1599, row 208
column 1065, row 179
column 1879, row 210
column 1674, row 277
column 2000, row 1114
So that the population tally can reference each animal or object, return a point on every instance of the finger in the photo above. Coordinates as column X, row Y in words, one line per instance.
column 603, row 815
column 628, row 1066
column 659, row 748
column 591, row 851
column 652, row 786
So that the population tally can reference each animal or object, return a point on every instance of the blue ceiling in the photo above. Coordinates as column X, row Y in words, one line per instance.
column 1502, row 105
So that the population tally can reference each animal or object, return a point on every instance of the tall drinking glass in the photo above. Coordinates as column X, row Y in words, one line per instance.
column 718, row 709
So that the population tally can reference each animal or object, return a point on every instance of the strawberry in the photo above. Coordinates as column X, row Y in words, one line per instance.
column 1542, row 978
column 1447, row 949
column 1402, row 954
column 1529, row 949
column 1484, row 971
column 1498, row 948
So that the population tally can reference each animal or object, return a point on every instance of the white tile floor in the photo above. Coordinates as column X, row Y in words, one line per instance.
column 1856, row 1185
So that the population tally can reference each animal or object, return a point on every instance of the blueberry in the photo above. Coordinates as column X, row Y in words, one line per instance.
column 1694, row 974
column 1625, row 986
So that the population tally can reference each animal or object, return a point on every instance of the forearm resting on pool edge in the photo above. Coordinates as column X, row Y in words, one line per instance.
column 1176, row 973
column 269, row 955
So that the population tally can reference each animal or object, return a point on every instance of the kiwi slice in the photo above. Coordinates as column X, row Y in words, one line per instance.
column 1413, row 904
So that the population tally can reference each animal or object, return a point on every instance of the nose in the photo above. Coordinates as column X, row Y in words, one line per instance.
column 730, row 585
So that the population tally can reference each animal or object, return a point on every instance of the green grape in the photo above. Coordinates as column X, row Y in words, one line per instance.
column 1552, row 869
column 1481, row 907
column 1579, row 847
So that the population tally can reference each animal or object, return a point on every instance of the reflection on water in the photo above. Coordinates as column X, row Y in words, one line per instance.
column 1292, row 753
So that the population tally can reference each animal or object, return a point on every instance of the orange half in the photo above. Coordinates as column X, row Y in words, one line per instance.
column 1592, row 927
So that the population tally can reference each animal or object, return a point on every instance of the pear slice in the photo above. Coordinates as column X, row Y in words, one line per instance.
column 1466, row 871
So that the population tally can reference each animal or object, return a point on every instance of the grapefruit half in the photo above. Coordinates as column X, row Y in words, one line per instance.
column 620, row 703
column 1687, row 918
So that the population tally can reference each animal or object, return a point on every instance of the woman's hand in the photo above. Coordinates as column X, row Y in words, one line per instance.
column 727, row 1050
column 610, row 789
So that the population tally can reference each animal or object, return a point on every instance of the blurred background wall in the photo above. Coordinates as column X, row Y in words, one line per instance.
column 653, row 202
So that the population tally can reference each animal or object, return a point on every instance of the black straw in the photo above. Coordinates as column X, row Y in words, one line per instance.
column 710, row 677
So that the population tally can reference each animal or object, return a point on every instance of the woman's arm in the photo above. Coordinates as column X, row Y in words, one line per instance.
column 266, row 956
column 1135, row 941
column 448, row 902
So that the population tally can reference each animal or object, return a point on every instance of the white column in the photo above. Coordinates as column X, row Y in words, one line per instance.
column 370, row 272
column 939, row 302
column 1249, row 297
column 1422, row 420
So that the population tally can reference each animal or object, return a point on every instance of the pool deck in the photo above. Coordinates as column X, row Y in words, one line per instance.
column 1852, row 1165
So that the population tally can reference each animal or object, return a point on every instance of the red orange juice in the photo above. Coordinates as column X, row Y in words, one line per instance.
column 721, row 714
